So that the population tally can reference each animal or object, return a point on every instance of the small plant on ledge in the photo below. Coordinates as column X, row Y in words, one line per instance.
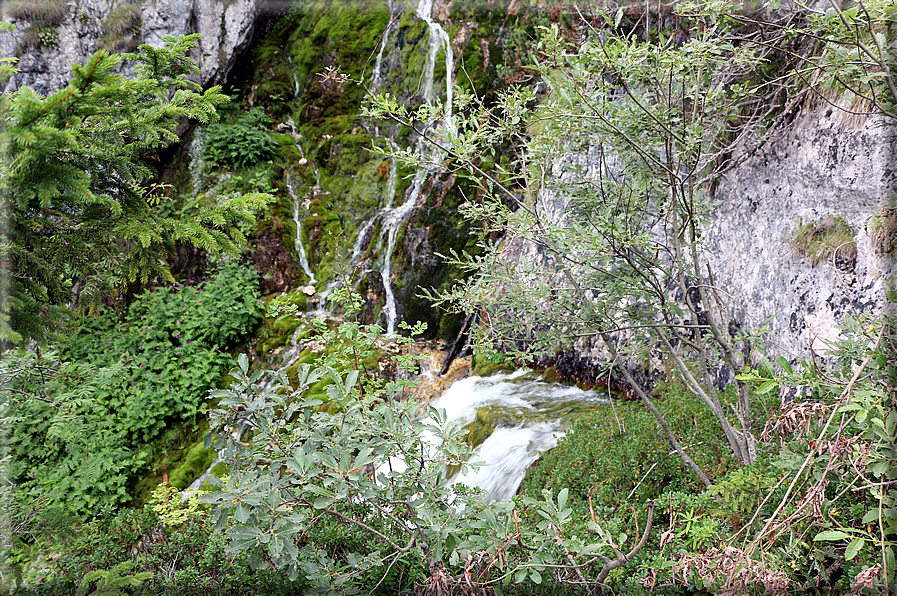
column 828, row 239
column 882, row 228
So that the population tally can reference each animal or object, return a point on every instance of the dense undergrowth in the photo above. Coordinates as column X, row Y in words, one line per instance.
column 109, row 391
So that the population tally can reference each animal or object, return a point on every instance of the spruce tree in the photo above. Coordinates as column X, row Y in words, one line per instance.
column 81, row 221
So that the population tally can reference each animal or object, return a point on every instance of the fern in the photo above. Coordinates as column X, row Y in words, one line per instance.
column 110, row 582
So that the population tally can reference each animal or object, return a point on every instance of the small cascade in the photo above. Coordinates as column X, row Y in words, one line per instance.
column 297, row 219
column 438, row 38
column 393, row 217
column 377, row 75
column 529, row 416
column 523, row 416
column 392, row 221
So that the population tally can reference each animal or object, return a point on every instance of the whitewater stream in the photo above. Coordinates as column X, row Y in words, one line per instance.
column 515, row 417
column 528, row 414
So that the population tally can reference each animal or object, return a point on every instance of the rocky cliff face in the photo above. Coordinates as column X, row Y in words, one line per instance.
column 50, row 35
column 828, row 166
column 829, row 177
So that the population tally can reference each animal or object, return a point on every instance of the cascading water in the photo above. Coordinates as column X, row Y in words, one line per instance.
column 529, row 414
column 297, row 219
column 523, row 416
column 197, row 164
column 392, row 221
column 393, row 217
column 438, row 37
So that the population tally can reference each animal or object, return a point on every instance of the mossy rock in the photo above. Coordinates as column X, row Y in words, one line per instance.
column 275, row 332
column 490, row 417
column 219, row 470
column 195, row 464
column 487, row 369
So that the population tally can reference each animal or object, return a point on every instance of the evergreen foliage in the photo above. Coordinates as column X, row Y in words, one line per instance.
column 81, row 222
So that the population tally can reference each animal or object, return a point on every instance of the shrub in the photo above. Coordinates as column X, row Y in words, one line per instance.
column 617, row 455
column 240, row 142
column 186, row 557
column 45, row 16
column 46, row 37
column 882, row 229
column 118, row 383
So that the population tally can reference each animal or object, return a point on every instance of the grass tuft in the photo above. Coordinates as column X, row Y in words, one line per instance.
column 830, row 238
column 42, row 13
column 121, row 29
column 882, row 230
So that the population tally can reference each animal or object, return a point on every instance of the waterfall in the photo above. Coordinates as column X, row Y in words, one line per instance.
column 298, row 247
column 393, row 218
column 392, row 221
column 534, row 414
column 438, row 37
column 304, row 161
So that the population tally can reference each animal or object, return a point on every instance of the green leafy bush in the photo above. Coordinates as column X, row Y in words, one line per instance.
column 183, row 558
column 241, row 141
column 121, row 383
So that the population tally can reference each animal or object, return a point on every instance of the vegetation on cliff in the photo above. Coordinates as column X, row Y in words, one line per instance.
column 328, row 480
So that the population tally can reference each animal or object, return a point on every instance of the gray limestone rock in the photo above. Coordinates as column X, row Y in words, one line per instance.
column 226, row 31
column 829, row 164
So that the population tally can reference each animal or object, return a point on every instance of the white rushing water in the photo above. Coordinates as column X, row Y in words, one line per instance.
column 392, row 218
column 297, row 219
column 536, row 415
column 392, row 221
column 438, row 39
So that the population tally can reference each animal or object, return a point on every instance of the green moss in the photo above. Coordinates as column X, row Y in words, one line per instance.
column 274, row 333
column 487, row 369
column 193, row 466
column 588, row 459
column 320, row 34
